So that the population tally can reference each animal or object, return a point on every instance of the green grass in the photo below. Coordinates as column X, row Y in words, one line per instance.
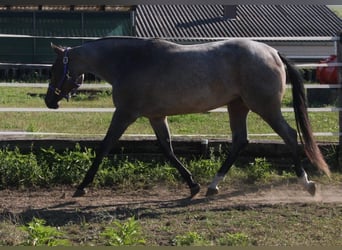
column 164, row 223
column 337, row 9
column 77, row 124
column 38, row 234
column 33, row 97
column 307, row 225
column 47, row 168
column 210, row 124
column 312, row 224
column 128, row 233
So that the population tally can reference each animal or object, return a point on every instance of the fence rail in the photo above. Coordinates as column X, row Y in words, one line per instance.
column 108, row 86
column 111, row 110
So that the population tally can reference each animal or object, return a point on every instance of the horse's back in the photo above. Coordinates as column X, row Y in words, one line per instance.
column 166, row 78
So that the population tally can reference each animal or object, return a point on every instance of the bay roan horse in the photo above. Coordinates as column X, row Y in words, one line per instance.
column 156, row 78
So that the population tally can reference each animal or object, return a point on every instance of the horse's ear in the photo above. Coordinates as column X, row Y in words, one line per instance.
column 57, row 49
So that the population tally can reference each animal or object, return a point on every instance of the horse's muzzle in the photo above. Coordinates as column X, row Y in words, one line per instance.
column 51, row 105
column 51, row 101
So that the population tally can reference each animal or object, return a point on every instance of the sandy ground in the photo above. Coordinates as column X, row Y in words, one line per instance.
column 58, row 203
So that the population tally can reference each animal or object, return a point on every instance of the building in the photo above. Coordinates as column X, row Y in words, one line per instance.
column 26, row 31
column 285, row 27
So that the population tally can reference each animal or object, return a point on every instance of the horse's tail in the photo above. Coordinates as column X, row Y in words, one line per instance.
column 302, row 119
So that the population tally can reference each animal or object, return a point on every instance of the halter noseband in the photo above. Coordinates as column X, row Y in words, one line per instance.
column 58, row 90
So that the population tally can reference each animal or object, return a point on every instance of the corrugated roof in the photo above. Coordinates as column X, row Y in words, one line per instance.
column 83, row 8
column 191, row 21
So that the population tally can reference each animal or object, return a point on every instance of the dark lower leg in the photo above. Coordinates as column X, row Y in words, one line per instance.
column 289, row 135
column 303, row 177
column 236, row 149
column 232, row 156
column 119, row 123
column 184, row 172
column 89, row 177
column 161, row 129
column 238, row 114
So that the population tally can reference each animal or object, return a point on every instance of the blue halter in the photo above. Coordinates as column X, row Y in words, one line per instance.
column 58, row 90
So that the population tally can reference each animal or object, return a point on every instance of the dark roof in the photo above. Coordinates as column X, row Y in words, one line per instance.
column 191, row 21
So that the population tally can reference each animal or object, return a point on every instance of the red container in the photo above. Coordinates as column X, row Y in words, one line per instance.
column 327, row 75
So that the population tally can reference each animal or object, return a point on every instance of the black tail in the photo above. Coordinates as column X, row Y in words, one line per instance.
column 302, row 119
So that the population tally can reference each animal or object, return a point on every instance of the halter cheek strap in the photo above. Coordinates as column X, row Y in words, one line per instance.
column 58, row 90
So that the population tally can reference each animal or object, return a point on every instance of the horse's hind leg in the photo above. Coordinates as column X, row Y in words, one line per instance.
column 119, row 123
column 237, row 117
column 276, row 120
column 162, row 132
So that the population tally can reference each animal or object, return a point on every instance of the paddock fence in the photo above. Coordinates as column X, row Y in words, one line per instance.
column 182, row 143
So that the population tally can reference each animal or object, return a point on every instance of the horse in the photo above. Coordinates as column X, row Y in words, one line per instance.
column 155, row 78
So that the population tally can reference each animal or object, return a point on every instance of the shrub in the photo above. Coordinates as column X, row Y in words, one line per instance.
column 234, row 239
column 67, row 167
column 41, row 235
column 190, row 239
column 259, row 170
column 123, row 234
column 18, row 170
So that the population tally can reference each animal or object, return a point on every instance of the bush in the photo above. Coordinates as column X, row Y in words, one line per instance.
column 19, row 170
column 48, row 168
column 67, row 167
column 41, row 235
column 234, row 239
column 259, row 170
column 123, row 234
column 190, row 239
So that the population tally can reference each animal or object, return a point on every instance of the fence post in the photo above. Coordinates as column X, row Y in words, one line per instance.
column 339, row 77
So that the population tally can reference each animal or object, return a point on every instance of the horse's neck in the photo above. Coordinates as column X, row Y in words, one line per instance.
column 96, row 57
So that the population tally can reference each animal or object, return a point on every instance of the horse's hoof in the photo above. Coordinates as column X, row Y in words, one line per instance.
column 79, row 193
column 311, row 187
column 195, row 190
column 212, row 191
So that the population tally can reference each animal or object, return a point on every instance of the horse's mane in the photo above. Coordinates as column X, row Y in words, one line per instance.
column 125, row 38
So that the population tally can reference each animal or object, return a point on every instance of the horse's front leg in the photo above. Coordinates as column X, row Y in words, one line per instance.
column 120, row 122
column 162, row 132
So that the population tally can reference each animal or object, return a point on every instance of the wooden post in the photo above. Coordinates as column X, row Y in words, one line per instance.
column 339, row 77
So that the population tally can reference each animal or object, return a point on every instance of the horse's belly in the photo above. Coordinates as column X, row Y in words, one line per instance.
column 184, row 105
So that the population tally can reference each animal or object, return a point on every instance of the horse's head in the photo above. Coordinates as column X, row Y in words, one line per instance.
column 63, row 79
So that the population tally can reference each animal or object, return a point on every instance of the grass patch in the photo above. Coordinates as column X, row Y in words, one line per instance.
column 96, row 124
column 182, row 225
column 34, row 97
column 337, row 9
column 273, row 225
column 128, row 233
column 38, row 234
column 49, row 168
column 210, row 124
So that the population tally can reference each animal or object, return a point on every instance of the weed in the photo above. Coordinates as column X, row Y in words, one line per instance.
column 204, row 168
column 10, row 233
column 234, row 239
column 259, row 170
column 18, row 169
column 123, row 234
column 31, row 128
column 41, row 235
column 190, row 239
column 67, row 167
